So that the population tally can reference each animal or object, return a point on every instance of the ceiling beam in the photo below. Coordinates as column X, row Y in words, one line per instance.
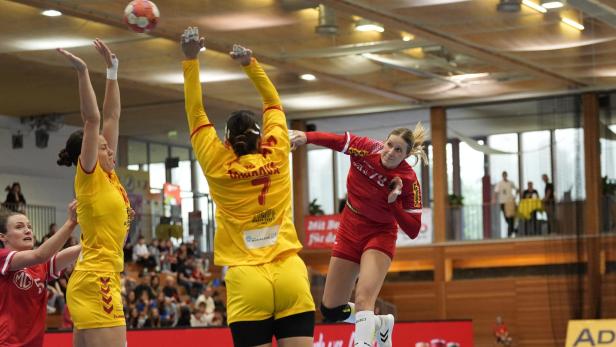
column 394, row 21
column 220, row 46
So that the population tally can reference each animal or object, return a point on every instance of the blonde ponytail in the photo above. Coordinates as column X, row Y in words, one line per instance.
column 414, row 139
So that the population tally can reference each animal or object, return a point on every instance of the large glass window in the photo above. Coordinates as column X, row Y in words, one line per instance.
column 471, row 174
column 158, row 154
column 321, row 182
column 504, row 162
column 181, row 175
column 570, row 180
column 536, row 159
column 137, row 155
column 343, row 164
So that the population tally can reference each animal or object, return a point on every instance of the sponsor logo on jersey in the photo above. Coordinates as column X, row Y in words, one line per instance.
column 265, row 170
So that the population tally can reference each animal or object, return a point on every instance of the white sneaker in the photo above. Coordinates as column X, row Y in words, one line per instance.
column 386, row 330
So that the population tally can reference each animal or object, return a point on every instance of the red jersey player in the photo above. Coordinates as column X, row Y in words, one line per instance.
column 24, row 273
column 383, row 193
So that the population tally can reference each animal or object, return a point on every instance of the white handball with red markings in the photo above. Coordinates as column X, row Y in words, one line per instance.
column 141, row 15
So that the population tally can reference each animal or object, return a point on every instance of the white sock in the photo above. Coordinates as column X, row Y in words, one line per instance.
column 351, row 318
column 365, row 328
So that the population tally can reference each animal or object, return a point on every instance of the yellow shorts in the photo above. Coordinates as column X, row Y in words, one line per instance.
column 278, row 289
column 94, row 299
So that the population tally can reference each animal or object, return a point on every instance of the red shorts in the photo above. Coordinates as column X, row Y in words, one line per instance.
column 356, row 234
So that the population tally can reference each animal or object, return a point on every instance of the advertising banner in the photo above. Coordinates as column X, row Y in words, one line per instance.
column 406, row 334
column 587, row 333
column 321, row 231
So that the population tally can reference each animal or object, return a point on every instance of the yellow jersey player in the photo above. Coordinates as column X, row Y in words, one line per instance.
column 268, row 293
column 93, row 293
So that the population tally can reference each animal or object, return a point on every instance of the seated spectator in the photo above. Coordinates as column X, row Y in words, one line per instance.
column 169, row 289
column 155, row 283
column 198, row 319
column 155, row 318
column 185, row 315
column 207, row 298
column 142, row 256
column 501, row 333
column 144, row 285
column 132, row 320
column 15, row 200
column 187, row 280
column 155, row 253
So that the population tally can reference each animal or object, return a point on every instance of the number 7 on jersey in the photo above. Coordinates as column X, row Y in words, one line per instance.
column 265, row 181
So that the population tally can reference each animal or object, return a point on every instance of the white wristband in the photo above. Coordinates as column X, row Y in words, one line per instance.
column 112, row 72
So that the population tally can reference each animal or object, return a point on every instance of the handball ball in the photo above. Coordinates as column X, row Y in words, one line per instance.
column 141, row 15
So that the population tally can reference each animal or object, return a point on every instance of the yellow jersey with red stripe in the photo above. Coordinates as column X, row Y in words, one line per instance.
column 103, row 212
column 252, row 193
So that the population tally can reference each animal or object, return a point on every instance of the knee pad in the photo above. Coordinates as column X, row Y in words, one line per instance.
column 336, row 314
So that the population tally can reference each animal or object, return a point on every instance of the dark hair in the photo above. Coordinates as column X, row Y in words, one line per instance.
column 69, row 155
column 4, row 220
column 10, row 187
column 243, row 132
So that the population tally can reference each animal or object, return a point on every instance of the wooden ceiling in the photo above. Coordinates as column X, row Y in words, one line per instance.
column 459, row 51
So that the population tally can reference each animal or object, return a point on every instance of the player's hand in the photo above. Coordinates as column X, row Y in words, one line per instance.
column 395, row 187
column 77, row 62
column 191, row 42
column 241, row 54
column 297, row 138
column 72, row 211
column 110, row 59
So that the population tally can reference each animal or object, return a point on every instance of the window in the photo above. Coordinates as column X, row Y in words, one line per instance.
column 570, row 180
column 536, row 159
column 471, row 174
column 320, row 178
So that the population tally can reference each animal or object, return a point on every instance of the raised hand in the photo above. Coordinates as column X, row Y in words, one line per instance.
column 395, row 187
column 191, row 42
column 241, row 54
column 297, row 138
column 72, row 211
column 110, row 59
column 77, row 62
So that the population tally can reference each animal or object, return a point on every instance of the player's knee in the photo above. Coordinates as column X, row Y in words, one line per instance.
column 336, row 314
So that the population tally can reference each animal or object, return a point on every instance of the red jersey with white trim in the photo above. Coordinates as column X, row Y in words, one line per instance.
column 368, row 182
column 23, row 301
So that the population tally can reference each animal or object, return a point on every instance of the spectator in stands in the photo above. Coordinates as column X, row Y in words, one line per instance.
column 51, row 231
column 501, row 333
column 144, row 285
column 155, row 318
column 169, row 289
column 207, row 298
column 155, row 283
column 155, row 253
column 198, row 319
column 548, row 201
column 530, row 226
column 15, row 200
column 503, row 192
column 186, row 278
column 133, row 318
column 185, row 315
column 142, row 256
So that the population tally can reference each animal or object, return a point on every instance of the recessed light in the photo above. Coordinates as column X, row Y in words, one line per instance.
column 51, row 13
column 365, row 25
column 552, row 4
column 202, row 49
column 534, row 6
column 572, row 23
column 308, row 77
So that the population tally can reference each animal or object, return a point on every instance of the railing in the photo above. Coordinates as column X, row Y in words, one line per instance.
column 486, row 221
column 40, row 216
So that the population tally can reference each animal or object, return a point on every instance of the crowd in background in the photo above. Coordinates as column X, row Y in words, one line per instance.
column 163, row 285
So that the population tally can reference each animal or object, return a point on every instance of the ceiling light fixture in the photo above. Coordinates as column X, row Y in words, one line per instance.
column 534, row 6
column 202, row 49
column 308, row 77
column 552, row 4
column 366, row 25
column 407, row 37
column 572, row 23
column 51, row 13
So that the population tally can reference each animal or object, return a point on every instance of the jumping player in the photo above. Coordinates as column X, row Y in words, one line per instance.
column 93, row 292
column 24, row 273
column 268, row 292
column 383, row 193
